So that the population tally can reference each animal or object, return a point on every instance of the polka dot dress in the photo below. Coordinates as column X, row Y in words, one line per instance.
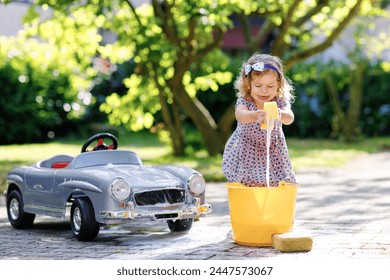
column 245, row 157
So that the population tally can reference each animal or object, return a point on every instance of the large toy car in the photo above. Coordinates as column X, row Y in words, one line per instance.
column 104, row 186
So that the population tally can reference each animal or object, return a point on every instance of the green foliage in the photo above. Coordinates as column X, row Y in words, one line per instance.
column 142, row 39
column 37, row 95
column 51, row 78
column 313, row 110
column 376, row 102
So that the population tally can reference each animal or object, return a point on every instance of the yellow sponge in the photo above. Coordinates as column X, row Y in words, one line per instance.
column 292, row 242
column 271, row 111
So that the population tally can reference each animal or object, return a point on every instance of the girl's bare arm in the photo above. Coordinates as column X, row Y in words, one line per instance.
column 243, row 115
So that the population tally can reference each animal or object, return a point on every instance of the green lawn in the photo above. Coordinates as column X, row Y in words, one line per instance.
column 304, row 153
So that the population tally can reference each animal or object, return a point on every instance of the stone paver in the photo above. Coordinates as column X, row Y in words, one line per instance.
column 346, row 211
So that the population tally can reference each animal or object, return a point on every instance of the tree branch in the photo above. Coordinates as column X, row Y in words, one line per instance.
column 243, row 18
column 286, row 23
column 300, row 56
column 267, row 27
column 168, row 23
column 132, row 8
column 321, row 4
column 253, row 42
column 208, row 48
column 192, row 23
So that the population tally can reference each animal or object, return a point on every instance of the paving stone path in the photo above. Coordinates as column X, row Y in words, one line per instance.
column 346, row 210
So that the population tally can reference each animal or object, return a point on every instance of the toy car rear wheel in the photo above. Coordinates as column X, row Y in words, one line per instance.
column 180, row 225
column 16, row 215
column 82, row 220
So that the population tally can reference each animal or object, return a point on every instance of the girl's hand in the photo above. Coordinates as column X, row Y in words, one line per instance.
column 286, row 116
column 260, row 116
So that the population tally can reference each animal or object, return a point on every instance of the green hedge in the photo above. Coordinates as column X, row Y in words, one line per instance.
column 313, row 110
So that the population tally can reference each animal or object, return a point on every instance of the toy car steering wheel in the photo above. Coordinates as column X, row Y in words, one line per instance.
column 100, row 142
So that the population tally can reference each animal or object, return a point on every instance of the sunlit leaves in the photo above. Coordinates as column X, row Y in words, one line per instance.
column 38, row 92
column 134, row 110
column 139, row 37
column 385, row 66
column 31, row 15
column 116, row 52
column 213, row 80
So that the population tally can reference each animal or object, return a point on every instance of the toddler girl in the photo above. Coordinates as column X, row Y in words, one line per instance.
column 245, row 157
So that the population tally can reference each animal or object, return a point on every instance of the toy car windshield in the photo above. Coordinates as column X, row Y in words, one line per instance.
column 106, row 157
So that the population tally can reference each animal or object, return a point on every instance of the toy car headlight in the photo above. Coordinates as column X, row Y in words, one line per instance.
column 120, row 189
column 196, row 185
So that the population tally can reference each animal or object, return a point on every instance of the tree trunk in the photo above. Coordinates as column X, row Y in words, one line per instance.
column 177, row 133
column 200, row 116
column 338, row 118
column 351, row 126
column 346, row 124
column 172, row 121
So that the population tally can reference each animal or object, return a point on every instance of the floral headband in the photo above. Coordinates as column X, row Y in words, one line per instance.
column 259, row 66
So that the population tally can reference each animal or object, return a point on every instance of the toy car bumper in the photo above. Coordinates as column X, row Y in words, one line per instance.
column 194, row 210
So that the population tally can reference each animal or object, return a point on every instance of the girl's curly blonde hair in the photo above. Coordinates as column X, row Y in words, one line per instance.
column 243, row 82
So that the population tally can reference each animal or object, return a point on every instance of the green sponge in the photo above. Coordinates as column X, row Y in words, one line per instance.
column 292, row 242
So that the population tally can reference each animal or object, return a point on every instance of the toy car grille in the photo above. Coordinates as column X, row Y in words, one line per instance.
column 170, row 196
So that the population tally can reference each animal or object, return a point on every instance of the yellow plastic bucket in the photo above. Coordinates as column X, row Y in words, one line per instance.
column 256, row 213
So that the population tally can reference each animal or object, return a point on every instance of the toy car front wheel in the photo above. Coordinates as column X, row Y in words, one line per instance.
column 16, row 215
column 82, row 220
column 180, row 225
